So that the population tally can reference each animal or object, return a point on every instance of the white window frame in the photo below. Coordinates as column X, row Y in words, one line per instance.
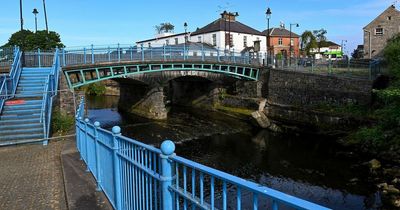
column 176, row 41
column 280, row 41
column 214, row 39
column 244, row 41
column 379, row 33
column 199, row 39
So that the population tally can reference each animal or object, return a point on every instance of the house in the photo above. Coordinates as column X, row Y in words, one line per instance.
column 379, row 31
column 280, row 40
column 327, row 50
column 225, row 33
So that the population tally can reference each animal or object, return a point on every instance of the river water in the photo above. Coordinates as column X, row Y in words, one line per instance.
column 310, row 167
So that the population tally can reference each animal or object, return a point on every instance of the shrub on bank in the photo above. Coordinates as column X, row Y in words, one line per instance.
column 95, row 89
column 62, row 123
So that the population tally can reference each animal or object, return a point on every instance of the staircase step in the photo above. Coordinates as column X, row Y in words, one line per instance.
column 32, row 81
column 33, row 136
column 20, row 131
column 40, row 88
column 29, row 95
column 22, row 78
column 21, row 126
column 22, row 107
column 20, row 121
column 27, row 85
column 21, row 112
column 22, row 92
column 19, row 117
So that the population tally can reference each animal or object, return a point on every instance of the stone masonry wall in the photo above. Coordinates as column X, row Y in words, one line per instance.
column 303, row 89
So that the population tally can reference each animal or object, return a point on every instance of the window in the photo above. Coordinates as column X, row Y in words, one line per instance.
column 214, row 39
column 199, row 39
column 280, row 41
column 176, row 41
column 212, row 54
column 291, row 41
column 244, row 41
column 149, row 45
column 167, row 42
column 378, row 31
column 231, row 41
column 195, row 54
column 389, row 18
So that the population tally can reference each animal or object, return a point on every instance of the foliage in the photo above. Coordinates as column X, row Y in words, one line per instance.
column 29, row 40
column 95, row 89
column 62, row 123
column 165, row 27
column 320, row 35
column 308, row 42
column 392, row 56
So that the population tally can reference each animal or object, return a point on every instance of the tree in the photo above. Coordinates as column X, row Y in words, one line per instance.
column 28, row 41
column 308, row 42
column 320, row 35
column 392, row 55
column 164, row 27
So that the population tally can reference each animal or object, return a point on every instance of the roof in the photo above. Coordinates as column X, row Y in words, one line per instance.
column 390, row 9
column 158, row 38
column 327, row 44
column 281, row 32
column 223, row 25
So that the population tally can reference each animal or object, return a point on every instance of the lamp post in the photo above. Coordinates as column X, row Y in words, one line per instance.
column 35, row 12
column 290, row 41
column 20, row 15
column 185, row 25
column 268, row 14
column 45, row 15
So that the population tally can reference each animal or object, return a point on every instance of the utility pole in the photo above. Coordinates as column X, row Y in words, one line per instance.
column 45, row 16
column 20, row 15
column 35, row 12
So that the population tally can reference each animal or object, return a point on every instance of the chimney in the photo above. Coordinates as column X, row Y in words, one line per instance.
column 229, row 16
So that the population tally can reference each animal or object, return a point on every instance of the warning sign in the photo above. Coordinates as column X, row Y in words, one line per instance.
column 15, row 102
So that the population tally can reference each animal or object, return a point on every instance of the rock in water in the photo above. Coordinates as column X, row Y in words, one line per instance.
column 374, row 164
column 261, row 119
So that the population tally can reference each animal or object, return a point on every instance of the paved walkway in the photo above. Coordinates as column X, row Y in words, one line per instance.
column 31, row 177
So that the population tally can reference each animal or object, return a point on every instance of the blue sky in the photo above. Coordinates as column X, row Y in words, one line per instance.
column 83, row 22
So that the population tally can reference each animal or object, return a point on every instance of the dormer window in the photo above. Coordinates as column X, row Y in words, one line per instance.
column 379, row 31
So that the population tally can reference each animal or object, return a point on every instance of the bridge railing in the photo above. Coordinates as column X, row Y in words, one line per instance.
column 49, row 92
column 183, row 52
column 39, row 58
column 8, row 83
column 134, row 175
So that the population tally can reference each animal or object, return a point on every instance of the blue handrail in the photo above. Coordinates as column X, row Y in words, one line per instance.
column 186, row 52
column 8, row 85
column 134, row 175
column 49, row 92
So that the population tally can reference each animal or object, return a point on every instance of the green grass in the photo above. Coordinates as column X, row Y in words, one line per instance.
column 61, row 122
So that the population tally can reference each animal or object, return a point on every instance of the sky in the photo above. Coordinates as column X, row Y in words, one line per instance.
column 100, row 22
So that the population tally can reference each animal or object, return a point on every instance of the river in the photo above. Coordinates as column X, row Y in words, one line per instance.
column 314, row 168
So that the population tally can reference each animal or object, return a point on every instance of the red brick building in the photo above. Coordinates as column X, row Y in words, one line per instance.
column 279, row 42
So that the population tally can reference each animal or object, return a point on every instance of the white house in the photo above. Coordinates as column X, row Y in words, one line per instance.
column 327, row 50
column 225, row 33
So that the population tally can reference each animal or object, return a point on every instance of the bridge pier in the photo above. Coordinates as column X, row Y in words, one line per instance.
column 144, row 101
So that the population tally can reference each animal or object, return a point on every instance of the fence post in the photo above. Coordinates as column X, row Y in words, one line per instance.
column 119, row 53
column 141, row 47
column 78, row 136
column 219, row 59
column 167, row 149
column 92, row 54
column 96, row 148
column 84, row 55
column 63, row 56
column 202, row 51
column 39, row 58
column 164, row 52
column 86, row 145
column 116, row 130
column 184, row 50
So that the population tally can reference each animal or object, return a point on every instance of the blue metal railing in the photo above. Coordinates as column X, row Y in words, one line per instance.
column 49, row 92
column 134, row 175
column 8, row 83
column 183, row 52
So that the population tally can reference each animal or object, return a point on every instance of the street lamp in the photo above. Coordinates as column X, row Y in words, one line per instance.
column 290, row 35
column 185, row 25
column 35, row 12
column 268, row 14
column 20, row 15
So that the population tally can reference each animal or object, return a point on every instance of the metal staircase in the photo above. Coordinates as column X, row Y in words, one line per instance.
column 26, row 103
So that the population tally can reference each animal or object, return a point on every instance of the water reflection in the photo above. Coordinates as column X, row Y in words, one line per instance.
column 309, row 167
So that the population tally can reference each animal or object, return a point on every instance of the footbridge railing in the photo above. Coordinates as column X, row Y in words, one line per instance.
column 134, row 175
column 182, row 52
column 8, row 83
column 49, row 92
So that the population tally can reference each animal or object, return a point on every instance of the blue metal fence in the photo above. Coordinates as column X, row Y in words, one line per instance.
column 8, row 83
column 134, row 175
column 49, row 92
column 183, row 52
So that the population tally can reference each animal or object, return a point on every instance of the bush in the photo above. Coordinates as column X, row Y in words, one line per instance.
column 392, row 56
column 95, row 89
column 62, row 123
